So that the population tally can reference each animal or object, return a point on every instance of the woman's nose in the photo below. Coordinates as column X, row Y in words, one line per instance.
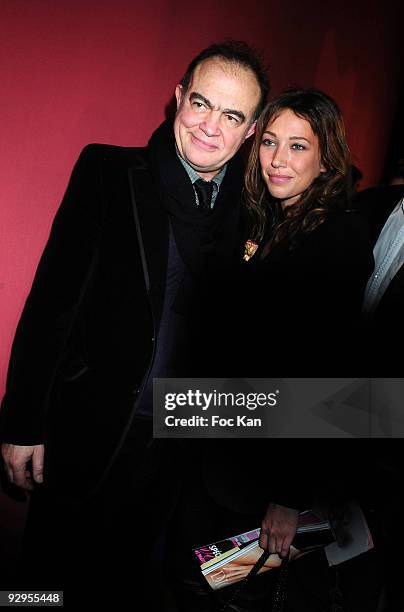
column 279, row 158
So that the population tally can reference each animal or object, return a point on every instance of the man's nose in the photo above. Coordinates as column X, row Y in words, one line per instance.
column 211, row 124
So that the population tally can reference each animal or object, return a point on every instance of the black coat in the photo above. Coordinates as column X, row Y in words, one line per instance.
column 298, row 316
column 304, row 300
column 84, row 342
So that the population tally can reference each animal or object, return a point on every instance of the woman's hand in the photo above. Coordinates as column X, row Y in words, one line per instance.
column 278, row 529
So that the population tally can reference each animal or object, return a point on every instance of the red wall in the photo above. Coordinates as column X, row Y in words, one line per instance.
column 79, row 71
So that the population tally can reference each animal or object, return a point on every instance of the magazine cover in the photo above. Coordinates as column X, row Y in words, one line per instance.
column 230, row 560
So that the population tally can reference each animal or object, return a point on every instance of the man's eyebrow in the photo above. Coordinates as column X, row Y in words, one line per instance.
column 194, row 94
column 231, row 111
column 228, row 111
column 290, row 137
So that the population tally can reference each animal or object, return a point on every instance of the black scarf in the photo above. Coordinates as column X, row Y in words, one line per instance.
column 206, row 239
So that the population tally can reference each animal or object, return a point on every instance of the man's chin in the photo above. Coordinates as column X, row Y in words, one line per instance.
column 205, row 166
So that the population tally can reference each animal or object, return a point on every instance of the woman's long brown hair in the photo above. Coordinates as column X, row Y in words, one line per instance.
column 327, row 191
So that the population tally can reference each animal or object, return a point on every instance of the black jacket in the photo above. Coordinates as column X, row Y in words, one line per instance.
column 85, row 339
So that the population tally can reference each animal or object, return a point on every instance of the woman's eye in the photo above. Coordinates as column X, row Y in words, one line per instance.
column 268, row 143
column 298, row 147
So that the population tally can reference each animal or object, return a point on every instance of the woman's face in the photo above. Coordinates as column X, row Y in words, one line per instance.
column 289, row 157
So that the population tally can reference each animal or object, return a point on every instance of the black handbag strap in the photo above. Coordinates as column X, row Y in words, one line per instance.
column 279, row 596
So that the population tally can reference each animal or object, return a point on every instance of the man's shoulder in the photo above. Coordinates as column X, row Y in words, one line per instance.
column 115, row 155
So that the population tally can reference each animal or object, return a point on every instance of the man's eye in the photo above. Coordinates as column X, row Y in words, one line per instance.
column 232, row 119
column 298, row 147
column 197, row 104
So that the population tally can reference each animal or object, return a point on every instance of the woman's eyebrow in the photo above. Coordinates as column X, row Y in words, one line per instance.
column 290, row 137
column 299, row 138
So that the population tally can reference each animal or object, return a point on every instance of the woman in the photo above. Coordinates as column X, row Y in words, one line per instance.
column 305, row 268
column 312, row 255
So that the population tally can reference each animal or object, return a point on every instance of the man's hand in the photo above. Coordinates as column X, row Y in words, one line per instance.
column 278, row 529
column 16, row 458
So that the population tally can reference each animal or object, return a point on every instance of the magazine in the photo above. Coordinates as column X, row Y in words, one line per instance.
column 228, row 561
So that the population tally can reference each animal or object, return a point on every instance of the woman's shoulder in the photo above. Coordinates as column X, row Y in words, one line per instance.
column 345, row 224
column 345, row 217
column 342, row 236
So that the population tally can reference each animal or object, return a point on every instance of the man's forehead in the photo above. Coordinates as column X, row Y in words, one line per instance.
column 216, row 76
column 216, row 68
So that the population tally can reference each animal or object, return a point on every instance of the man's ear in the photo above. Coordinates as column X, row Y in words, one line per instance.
column 251, row 130
column 178, row 95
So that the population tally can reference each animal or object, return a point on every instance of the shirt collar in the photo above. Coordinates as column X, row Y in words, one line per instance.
column 194, row 176
column 398, row 208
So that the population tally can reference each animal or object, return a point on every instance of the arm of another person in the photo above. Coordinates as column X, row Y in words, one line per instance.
column 48, row 317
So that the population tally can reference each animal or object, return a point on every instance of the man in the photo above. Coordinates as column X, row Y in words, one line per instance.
column 125, row 291
column 382, row 311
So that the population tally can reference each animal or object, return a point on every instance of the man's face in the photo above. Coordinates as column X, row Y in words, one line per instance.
column 215, row 115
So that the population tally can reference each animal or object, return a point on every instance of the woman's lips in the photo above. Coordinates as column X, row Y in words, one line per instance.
column 278, row 179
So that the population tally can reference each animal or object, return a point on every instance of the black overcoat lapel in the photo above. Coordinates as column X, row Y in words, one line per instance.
column 151, row 222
